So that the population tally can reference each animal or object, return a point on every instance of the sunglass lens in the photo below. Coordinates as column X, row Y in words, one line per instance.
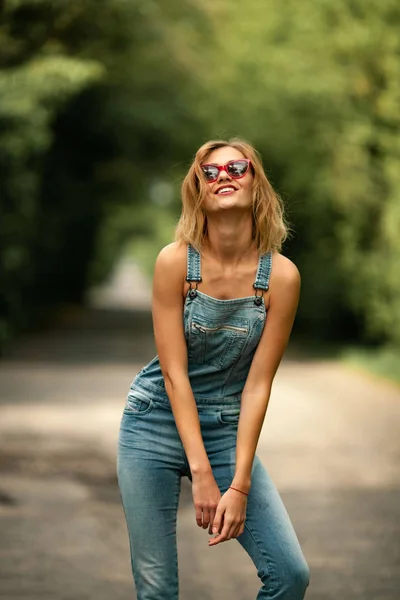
column 210, row 172
column 238, row 168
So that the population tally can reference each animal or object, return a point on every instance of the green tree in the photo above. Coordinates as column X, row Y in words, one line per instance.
column 95, row 98
column 315, row 86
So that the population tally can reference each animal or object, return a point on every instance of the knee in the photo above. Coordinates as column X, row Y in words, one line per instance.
column 288, row 581
column 297, row 580
column 155, row 582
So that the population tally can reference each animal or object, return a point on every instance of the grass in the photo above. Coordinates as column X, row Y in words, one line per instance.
column 383, row 361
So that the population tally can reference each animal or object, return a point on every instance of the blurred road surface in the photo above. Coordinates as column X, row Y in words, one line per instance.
column 331, row 441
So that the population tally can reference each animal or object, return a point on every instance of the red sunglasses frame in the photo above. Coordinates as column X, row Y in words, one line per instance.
column 225, row 168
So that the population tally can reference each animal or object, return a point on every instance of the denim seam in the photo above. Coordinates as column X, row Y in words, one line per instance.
column 227, row 349
column 261, row 317
column 247, row 528
column 246, row 344
column 233, row 339
column 152, row 388
column 138, row 413
column 219, row 304
column 265, row 559
column 263, row 272
column 132, row 552
column 193, row 264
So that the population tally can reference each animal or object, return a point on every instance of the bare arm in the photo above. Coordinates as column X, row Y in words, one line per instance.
column 171, row 346
column 284, row 296
column 283, row 300
column 169, row 275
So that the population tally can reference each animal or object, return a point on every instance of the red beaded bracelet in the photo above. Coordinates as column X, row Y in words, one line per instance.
column 236, row 490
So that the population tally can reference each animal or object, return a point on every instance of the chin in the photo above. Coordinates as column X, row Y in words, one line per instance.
column 225, row 203
column 233, row 202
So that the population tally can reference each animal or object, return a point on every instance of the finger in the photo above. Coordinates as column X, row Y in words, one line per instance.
column 212, row 517
column 218, row 522
column 217, row 540
column 239, row 529
column 206, row 518
column 236, row 531
column 231, row 531
column 199, row 516
column 221, row 537
column 217, row 528
column 228, row 529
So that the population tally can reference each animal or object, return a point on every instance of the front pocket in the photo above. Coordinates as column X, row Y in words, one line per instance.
column 204, row 329
column 137, row 405
column 229, row 416
column 218, row 344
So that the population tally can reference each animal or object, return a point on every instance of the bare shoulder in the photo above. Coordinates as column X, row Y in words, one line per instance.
column 172, row 253
column 170, row 268
column 172, row 259
column 285, row 275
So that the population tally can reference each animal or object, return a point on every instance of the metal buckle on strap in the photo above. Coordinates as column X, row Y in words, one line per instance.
column 192, row 290
column 258, row 298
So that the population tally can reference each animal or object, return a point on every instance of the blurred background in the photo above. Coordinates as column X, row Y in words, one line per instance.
column 102, row 107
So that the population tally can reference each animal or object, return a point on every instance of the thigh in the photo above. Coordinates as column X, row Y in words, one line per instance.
column 149, row 478
column 150, row 496
column 270, row 539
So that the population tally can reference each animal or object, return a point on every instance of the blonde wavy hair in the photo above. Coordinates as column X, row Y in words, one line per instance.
column 269, row 227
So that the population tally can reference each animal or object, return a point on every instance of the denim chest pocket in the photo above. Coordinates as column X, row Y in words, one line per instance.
column 216, row 343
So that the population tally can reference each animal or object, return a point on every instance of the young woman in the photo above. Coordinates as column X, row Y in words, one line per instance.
column 224, row 301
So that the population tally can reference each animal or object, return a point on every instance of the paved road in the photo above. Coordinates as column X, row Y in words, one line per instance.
column 331, row 441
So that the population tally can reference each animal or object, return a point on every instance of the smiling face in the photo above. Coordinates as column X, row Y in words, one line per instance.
column 252, row 196
column 227, row 192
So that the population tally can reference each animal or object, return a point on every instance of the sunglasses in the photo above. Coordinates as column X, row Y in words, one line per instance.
column 235, row 169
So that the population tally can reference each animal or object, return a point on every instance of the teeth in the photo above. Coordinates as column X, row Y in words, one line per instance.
column 226, row 189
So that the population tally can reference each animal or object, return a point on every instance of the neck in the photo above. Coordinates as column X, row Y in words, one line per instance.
column 229, row 239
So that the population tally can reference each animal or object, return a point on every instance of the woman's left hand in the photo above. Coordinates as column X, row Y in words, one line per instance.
column 229, row 517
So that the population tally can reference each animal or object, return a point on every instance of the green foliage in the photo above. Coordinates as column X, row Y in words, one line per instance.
column 30, row 95
column 382, row 361
column 316, row 87
column 93, row 101
column 103, row 102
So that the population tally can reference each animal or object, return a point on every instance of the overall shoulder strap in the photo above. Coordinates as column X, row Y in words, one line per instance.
column 263, row 272
column 193, row 264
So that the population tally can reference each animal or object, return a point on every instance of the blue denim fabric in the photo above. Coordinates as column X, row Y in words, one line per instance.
column 222, row 336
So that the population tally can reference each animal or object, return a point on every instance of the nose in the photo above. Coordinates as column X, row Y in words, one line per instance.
column 223, row 175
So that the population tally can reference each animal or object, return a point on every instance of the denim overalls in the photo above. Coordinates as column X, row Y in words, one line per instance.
column 222, row 337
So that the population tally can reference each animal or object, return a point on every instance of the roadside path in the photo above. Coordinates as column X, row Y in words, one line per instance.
column 330, row 440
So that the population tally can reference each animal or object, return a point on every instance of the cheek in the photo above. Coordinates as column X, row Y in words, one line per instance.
column 208, row 199
column 248, row 181
column 247, row 195
column 248, row 187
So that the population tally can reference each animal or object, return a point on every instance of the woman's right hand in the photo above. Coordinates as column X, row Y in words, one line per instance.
column 206, row 496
